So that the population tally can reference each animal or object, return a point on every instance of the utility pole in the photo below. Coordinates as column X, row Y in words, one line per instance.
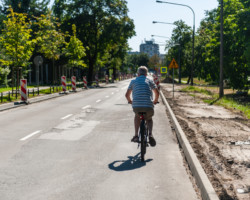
column 221, row 50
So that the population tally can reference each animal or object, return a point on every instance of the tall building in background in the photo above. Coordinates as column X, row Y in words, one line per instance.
column 150, row 48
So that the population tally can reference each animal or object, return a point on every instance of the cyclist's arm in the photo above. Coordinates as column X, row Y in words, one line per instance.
column 156, row 92
column 127, row 95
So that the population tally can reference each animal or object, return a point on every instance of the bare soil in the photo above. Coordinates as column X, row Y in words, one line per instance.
column 220, row 139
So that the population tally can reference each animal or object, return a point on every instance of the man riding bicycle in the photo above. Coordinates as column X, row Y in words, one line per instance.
column 141, row 89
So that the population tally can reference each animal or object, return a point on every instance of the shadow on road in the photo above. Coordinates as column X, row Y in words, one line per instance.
column 133, row 162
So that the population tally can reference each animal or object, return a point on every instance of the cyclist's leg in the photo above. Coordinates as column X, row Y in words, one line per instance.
column 149, row 115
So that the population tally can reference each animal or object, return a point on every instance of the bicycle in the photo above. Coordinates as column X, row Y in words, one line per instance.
column 143, row 135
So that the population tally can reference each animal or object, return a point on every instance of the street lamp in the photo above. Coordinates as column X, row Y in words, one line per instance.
column 155, row 22
column 159, row 36
column 193, row 32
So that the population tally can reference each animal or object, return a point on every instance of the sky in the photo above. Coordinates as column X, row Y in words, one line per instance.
column 144, row 12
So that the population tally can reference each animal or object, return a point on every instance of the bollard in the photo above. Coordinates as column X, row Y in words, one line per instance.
column 63, row 80
column 28, row 93
column 33, row 92
column 1, row 97
column 85, row 82
column 156, row 81
column 9, row 97
column 38, row 91
column 73, row 82
column 23, row 92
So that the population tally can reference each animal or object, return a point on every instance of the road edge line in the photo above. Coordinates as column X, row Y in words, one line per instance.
column 207, row 190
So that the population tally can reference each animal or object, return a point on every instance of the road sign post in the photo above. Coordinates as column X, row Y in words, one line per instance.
column 173, row 65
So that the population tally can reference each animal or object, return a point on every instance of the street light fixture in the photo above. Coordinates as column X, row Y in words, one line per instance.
column 155, row 22
column 159, row 36
column 193, row 32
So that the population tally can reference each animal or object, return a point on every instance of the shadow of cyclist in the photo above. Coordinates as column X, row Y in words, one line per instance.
column 133, row 162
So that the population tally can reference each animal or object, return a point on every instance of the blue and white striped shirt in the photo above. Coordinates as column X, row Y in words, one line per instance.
column 142, row 92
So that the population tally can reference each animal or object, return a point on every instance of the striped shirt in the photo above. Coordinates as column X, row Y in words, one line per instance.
column 142, row 92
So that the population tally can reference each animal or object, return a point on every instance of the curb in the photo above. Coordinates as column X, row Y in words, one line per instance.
column 207, row 190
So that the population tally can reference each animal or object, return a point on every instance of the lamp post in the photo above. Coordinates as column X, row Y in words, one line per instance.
column 221, row 50
column 193, row 32
column 179, row 60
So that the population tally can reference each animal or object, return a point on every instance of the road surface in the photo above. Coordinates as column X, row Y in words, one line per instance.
column 77, row 147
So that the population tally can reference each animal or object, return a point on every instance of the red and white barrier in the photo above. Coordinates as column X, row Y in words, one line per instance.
column 85, row 82
column 63, row 80
column 107, row 79
column 23, row 90
column 96, row 80
column 73, row 82
column 156, row 81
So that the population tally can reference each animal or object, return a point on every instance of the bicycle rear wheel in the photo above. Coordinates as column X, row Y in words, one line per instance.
column 143, row 141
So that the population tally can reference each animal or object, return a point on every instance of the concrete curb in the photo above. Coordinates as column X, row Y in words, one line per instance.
column 207, row 190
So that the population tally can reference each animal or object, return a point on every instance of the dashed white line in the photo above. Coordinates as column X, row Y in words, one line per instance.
column 67, row 116
column 85, row 107
column 98, row 100
column 112, row 93
column 107, row 96
column 30, row 135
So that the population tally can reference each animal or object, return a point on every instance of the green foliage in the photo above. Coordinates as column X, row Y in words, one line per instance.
column 75, row 51
column 4, row 71
column 236, row 44
column 17, row 47
column 134, row 61
column 103, row 26
column 50, row 40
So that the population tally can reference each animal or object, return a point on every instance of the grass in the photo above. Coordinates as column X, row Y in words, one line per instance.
column 229, row 101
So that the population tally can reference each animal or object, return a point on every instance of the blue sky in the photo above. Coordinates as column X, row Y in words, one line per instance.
column 143, row 12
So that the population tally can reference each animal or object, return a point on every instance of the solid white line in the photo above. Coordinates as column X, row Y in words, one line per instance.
column 107, row 96
column 85, row 107
column 30, row 135
column 67, row 116
column 98, row 100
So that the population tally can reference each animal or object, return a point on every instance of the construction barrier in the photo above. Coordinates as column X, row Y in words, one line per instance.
column 23, row 90
column 156, row 81
column 85, row 82
column 96, row 80
column 73, row 82
column 63, row 80
column 107, row 79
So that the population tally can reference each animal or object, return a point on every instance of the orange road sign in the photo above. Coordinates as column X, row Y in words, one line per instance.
column 173, row 64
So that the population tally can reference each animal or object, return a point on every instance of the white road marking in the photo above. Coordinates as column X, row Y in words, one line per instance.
column 30, row 135
column 126, row 87
column 98, row 100
column 85, row 107
column 67, row 116
column 107, row 96
column 112, row 93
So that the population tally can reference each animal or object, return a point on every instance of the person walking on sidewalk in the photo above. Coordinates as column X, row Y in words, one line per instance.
column 141, row 89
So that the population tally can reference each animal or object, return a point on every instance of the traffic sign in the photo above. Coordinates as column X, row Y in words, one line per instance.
column 173, row 64
column 164, row 70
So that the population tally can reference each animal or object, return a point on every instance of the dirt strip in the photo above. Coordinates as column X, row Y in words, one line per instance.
column 220, row 139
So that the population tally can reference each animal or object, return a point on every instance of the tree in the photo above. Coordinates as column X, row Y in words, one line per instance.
column 101, row 25
column 30, row 7
column 153, row 62
column 50, row 39
column 74, row 51
column 16, row 43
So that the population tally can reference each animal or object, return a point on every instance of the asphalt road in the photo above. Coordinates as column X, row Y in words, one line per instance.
column 77, row 147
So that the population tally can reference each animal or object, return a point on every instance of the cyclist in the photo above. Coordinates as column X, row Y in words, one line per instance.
column 141, row 89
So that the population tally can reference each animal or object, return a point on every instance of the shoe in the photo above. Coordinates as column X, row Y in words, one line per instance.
column 152, row 141
column 135, row 139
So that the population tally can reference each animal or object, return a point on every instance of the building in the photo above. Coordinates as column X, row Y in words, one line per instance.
column 150, row 48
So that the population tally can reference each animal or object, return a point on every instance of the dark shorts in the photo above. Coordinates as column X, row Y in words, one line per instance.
column 149, row 112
